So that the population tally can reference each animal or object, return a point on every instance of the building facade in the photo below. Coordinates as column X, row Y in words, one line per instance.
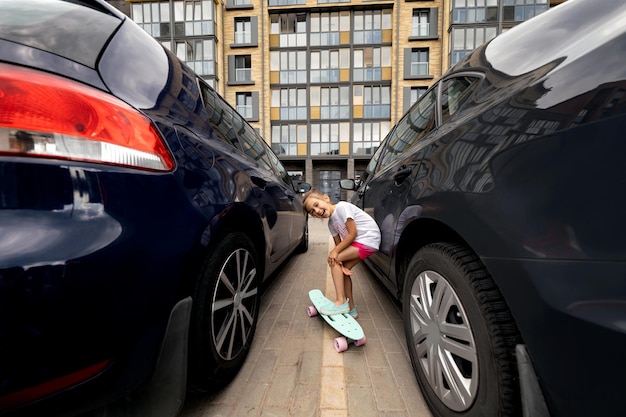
column 325, row 80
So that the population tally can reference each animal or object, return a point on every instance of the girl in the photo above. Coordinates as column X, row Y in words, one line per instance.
column 356, row 237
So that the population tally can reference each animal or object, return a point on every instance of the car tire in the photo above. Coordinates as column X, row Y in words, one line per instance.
column 460, row 334
column 225, row 312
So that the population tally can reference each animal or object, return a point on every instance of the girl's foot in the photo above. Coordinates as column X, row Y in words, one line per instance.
column 331, row 309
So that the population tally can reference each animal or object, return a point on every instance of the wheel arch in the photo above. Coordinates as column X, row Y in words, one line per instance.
column 416, row 235
column 240, row 218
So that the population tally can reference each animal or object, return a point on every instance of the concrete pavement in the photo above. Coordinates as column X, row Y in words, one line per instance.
column 293, row 368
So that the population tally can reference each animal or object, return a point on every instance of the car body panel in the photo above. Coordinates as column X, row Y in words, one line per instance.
column 95, row 259
column 528, row 173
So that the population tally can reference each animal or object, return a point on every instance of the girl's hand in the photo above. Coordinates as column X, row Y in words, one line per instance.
column 332, row 258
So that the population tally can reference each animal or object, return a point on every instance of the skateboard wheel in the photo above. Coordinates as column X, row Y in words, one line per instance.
column 311, row 311
column 361, row 341
column 341, row 344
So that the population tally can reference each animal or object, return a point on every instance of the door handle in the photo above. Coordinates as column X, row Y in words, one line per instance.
column 402, row 173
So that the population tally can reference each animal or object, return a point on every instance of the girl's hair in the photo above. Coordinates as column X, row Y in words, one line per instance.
column 312, row 193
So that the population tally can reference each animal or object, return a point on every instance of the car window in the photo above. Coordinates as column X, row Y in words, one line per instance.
column 419, row 120
column 210, row 100
column 235, row 131
column 454, row 92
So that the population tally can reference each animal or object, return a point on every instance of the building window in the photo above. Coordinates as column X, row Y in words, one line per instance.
column 334, row 102
column 521, row 10
column 194, row 18
column 486, row 11
column 325, row 137
column 285, row 2
column 465, row 40
column 197, row 53
column 244, row 105
column 292, row 66
column 368, row 63
column 243, row 30
column 291, row 102
column 474, row 11
column 243, row 68
column 369, row 25
column 291, row 28
column 238, row 4
column 421, row 26
column 290, row 139
column 366, row 136
column 416, row 63
column 377, row 102
column 325, row 28
column 154, row 18
column 329, row 184
column 419, row 62
column 325, row 65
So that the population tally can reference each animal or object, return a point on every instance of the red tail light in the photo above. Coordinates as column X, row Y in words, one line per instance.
column 39, row 391
column 43, row 115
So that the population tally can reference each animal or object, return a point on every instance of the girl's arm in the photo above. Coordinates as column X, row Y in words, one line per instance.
column 340, row 245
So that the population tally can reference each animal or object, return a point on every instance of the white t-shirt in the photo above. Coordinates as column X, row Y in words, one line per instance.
column 367, row 231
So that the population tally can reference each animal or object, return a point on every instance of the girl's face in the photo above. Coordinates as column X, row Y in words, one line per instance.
column 318, row 207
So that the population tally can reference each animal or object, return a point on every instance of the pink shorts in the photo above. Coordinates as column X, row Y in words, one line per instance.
column 364, row 250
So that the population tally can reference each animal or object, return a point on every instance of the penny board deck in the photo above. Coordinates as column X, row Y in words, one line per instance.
column 343, row 323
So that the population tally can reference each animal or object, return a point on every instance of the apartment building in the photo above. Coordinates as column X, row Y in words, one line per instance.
column 324, row 80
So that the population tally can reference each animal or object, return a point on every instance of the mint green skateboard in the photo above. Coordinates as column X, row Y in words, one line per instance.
column 343, row 323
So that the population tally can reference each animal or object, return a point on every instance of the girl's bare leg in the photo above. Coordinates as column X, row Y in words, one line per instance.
column 347, row 284
column 338, row 282
column 342, row 281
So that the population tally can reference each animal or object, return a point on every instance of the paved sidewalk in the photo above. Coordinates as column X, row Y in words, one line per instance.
column 293, row 368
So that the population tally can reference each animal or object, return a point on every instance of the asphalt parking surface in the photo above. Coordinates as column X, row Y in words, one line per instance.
column 293, row 368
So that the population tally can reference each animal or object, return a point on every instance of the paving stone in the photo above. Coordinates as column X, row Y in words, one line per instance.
column 292, row 368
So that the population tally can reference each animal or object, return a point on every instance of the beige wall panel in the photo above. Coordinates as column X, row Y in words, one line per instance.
column 344, row 74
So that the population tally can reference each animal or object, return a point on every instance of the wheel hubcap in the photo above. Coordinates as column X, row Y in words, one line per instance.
column 443, row 341
column 234, row 304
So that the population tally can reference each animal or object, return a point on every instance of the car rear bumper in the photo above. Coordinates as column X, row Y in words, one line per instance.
column 562, row 308
column 92, row 285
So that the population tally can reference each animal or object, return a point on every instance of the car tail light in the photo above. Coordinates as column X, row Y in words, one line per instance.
column 39, row 391
column 43, row 115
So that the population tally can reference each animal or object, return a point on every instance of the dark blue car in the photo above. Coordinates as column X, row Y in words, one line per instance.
column 139, row 216
column 501, row 197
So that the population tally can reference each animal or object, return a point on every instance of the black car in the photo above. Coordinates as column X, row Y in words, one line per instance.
column 139, row 216
column 501, row 197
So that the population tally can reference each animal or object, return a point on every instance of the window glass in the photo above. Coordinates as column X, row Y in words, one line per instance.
column 454, row 92
column 411, row 128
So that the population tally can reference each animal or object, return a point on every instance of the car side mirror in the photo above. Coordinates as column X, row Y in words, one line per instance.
column 348, row 184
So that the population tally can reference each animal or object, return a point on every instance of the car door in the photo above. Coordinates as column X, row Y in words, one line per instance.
column 277, row 197
column 270, row 195
column 388, row 180
column 393, row 184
